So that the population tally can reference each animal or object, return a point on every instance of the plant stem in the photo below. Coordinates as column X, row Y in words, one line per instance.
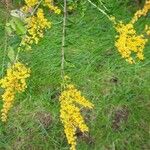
column 63, row 41
column 102, row 11
column 17, row 55
column 5, row 46
column 37, row 6
column 103, row 5
column 4, row 54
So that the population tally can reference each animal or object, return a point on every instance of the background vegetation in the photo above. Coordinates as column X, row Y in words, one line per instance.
column 120, row 91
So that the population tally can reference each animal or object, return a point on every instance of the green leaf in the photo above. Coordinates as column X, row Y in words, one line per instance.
column 11, row 54
column 20, row 26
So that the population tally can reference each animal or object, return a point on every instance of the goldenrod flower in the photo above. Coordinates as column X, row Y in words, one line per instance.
column 70, row 114
column 15, row 81
column 129, row 43
column 36, row 25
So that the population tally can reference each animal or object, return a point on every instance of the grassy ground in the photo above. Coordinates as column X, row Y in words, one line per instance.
column 120, row 92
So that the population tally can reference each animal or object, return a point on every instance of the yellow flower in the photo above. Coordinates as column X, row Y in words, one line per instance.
column 70, row 114
column 36, row 25
column 128, row 42
column 15, row 81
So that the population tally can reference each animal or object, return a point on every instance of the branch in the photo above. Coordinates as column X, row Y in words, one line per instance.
column 4, row 52
column 103, row 5
column 63, row 40
column 102, row 11
column 5, row 48
column 37, row 6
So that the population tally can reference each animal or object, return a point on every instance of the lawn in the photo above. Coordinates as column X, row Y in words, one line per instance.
column 120, row 91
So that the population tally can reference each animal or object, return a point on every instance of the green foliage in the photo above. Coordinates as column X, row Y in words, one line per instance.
column 16, row 25
column 20, row 27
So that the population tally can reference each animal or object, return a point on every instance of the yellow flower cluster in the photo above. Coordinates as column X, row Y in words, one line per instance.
column 15, row 81
column 142, row 12
column 50, row 5
column 36, row 23
column 70, row 113
column 128, row 42
column 36, row 26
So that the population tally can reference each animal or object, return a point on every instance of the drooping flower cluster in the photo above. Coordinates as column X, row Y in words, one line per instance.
column 31, row 23
column 129, row 43
column 70, row 114
column 36, row 26
column 141, row 12
column 12, row 83
column 35, row 21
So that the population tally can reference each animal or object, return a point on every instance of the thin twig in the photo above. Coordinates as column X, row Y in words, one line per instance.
column 4, row 53
column 5, row 47
column 37, row 6
column 63, row 41
column 103, row 5
column 17, row 56
column 102, row 11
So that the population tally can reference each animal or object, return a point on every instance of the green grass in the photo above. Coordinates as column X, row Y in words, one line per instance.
column 120, row 91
